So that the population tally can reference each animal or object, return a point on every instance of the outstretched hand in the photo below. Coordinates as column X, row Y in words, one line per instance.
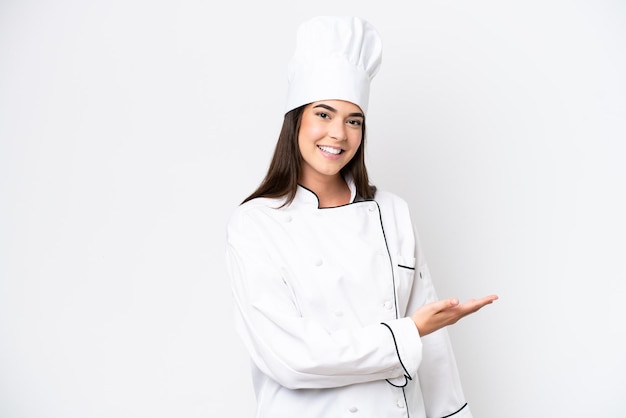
column 435, row 315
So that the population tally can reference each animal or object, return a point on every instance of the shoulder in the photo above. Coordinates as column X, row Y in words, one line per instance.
column 387, row 198
column 394, row 209
column 253, row 211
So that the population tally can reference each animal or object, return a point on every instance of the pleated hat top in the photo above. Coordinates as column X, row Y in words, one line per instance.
column 336, row 58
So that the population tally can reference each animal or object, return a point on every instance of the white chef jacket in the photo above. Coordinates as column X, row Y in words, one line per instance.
column 323, row 301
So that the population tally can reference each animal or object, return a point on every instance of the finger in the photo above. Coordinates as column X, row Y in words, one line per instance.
column 489, row 299
column 483, row 300
column 474, row 305
column 444, row 304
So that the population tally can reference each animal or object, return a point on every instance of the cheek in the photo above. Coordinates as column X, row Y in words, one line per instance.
column 355, row 140
column 310, row 131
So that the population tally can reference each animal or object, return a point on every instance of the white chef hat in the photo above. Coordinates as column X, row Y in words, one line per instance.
column 335, row 58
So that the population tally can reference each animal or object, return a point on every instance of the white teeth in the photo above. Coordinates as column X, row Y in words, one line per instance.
column 330, row 150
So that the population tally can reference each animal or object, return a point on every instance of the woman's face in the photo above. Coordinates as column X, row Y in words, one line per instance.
column 330, row 134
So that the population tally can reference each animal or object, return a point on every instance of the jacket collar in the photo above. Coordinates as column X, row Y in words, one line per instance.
column 307, row 198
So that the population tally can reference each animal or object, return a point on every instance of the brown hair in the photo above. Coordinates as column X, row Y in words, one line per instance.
column 282, row 176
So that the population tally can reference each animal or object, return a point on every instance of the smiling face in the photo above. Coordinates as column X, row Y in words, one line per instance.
column 330, row 135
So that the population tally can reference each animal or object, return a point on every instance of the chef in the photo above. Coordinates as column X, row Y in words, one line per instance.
column 334, row 300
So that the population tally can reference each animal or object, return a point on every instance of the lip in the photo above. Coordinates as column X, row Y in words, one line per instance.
column 328, row 155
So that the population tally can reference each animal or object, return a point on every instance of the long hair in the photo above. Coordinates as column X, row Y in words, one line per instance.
column 285, row 168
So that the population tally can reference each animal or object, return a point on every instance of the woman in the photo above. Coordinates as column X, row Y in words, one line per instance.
column 334, row 300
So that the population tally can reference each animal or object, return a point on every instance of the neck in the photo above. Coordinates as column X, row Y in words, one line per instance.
column 330, row 191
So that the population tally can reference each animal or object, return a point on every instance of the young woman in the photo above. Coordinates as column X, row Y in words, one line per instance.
column 334, row 300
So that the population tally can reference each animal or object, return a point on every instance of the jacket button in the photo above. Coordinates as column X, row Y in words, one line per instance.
column 353, row 409
column 388, row 305
column 288, row 218
column 400, row 403
column 318, row 262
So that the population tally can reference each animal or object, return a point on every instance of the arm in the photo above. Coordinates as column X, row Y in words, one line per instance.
column 294, row 350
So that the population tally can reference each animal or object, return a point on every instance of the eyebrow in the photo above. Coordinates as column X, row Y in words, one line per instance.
column 332, row 109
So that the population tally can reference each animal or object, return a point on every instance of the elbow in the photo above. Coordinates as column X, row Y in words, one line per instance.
column 300, row 376
column 293, row 379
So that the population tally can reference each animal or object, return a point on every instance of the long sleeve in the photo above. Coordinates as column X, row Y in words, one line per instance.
column 293, row 347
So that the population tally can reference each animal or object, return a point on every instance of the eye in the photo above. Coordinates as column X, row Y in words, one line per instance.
column 323, row 115
column 355, row 122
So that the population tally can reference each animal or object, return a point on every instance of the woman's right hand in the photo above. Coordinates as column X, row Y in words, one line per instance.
column 435, row 315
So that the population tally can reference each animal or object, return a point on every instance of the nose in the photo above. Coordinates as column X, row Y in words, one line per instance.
column 337, row 130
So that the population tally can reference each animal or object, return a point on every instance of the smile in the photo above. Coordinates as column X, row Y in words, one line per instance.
column 330, row 150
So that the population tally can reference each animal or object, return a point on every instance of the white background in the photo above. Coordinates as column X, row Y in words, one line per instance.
column 130, row 129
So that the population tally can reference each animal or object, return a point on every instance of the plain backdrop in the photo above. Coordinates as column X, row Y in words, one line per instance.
column 130, row 130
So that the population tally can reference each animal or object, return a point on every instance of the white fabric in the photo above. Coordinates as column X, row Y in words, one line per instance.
column 335, row 58
column 312, row 289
